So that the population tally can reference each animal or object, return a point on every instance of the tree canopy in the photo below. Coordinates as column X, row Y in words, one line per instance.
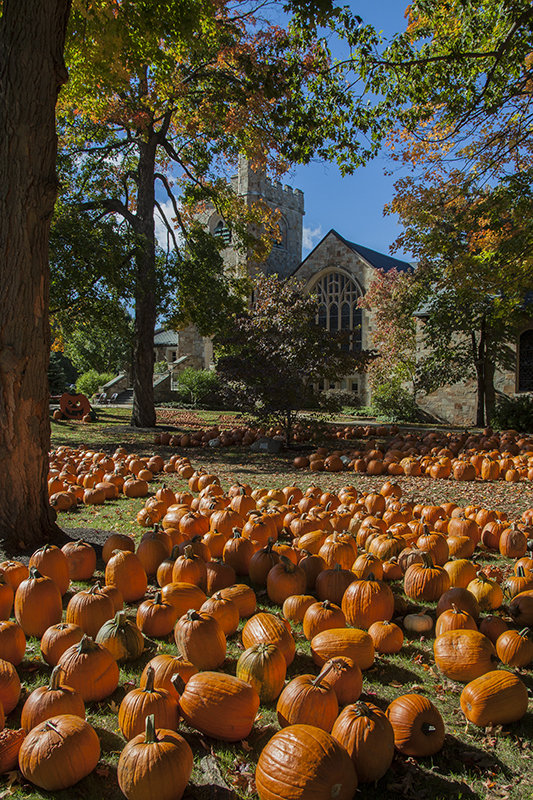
column 275, row 355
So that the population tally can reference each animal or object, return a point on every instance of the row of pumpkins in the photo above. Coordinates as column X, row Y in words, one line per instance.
column 224, row 706
column 486, row 465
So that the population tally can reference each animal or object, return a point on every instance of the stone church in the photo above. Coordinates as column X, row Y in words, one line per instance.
column 339, row 271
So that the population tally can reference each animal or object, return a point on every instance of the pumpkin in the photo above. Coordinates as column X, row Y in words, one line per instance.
column 165, row 666
column 295, row 606
column 425, row 581
column 12, row 642
column 219, row 575
column 488, row 593
column 496, row 698
column 155, row 758
column 244, row 596
column 90, row 669
column 331, row 583
column 321, row 616
column 125, row 571
column 520, row 607
column 461, row 571
column 225, row 611
column 49, row 701
column 515, row 648
column 418, row 726
column 190, row 568
column 154, row 547
column 81, row 559
column 10, row 744
column 183, row 596
column 463, row 655
column 58, row 638
column 460, row 598
column 350, row 642
column 387, row 636
column 367, row 734
column 121, row 637
column 453, row 619
column 418, row 623
column 37, row 604
column 14, row 572
column 303, row 762
column 52, row 562
column 219, row 705
column 155, row 617
column 9, row 686
column 200, row 638
column 366, row 601
column 117, row 541
column 263, row 666
column 59, row 752
column 148, row 700
column 345, row 677
column 6, row 598
column 89, row 609
column 265, row 627
column 307, row 700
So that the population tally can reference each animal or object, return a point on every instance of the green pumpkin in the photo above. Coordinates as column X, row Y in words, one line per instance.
column 121, row 637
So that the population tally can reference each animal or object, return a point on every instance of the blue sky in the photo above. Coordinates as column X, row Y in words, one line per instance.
column 353, row 205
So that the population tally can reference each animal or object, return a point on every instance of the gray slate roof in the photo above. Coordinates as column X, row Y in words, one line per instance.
column 166, row 338
column 375, row 259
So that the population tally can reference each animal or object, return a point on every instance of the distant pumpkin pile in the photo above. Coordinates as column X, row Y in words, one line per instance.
column 464, row 457
column 336, row 564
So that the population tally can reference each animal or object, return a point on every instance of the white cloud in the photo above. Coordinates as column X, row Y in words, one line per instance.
column 311, row 236
column 161, row 232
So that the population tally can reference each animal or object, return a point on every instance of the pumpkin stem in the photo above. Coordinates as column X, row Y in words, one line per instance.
column 188, row 551
column 150, row 675
column 34, row 573
column 55, row 677
column 150, row 735
column 178, row 683
column 287, row 563
column 362, row 709
column 175, row 552
column 193, row 614
column 320, row 677
column 95, row 588
column 87, row 645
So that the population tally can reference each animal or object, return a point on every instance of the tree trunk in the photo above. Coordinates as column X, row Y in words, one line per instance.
column 490, row 392
column 32, row 70
column 143, row 415
column 479, row 358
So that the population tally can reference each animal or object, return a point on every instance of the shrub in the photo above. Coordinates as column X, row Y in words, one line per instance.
column 198, row 387
column 514, row 413
column 393, row 403
column 160, row 367
column 90, row 382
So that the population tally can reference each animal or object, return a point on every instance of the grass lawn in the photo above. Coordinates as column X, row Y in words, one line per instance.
column 474, row 763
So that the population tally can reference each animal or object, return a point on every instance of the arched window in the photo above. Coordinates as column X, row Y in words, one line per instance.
column 337, row 295
column 223, row 232
column 525, row 362
column 281, row 241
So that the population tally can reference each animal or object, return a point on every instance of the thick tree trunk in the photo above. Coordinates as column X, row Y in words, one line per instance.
column 143, row 415
column 32, row 37
column 479, row 357
column 490, row 391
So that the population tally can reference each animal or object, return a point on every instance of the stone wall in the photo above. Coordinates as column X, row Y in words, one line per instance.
column 332, row 254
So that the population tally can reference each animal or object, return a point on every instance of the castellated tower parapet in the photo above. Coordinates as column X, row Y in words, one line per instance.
column 286, row 254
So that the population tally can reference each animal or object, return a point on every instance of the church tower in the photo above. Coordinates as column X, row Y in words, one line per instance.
column 286, row 254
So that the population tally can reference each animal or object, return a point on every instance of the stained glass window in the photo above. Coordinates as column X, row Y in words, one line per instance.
column 337, row 295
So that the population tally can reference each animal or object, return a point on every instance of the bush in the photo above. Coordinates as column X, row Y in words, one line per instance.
column 392, row 403
column 199, row 387
column 514, row 413
column 90, row 382
column 160, row 367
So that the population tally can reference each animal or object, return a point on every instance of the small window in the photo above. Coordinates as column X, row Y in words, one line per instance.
column 355, row 387
column 173, row 354
column 332, row 385
column 223, row 232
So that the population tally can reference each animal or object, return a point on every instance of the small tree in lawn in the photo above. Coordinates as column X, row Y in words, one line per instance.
column 274, row 355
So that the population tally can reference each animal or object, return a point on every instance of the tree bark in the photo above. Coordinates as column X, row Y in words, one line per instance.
column 490, row 391
column 32, row 71
column 479, row 358
column 143, row 415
